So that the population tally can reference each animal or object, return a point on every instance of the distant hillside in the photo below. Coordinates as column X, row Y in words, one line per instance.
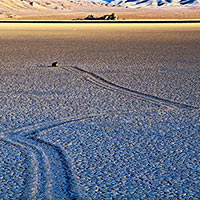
column 72, row 9
column 46, row 7
column 25, row 5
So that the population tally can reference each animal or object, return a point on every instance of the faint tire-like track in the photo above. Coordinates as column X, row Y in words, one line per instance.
column 101, row 82
column 48, row 174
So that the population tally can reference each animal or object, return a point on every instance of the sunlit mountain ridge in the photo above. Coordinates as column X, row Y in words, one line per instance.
column 156, row 3
column 70, row 9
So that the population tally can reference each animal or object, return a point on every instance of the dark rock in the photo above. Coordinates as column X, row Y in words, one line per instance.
column 55, row 64
column 112, row 16
column 90, row 17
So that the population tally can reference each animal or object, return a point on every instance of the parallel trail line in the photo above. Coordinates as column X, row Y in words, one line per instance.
column 40, row 152
column 45, row 160
column 101, row 82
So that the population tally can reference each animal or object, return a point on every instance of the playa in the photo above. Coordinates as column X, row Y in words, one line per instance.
column 119, row 118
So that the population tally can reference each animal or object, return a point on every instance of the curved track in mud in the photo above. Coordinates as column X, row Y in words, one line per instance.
column 48, row 173
column 103, row 83
column 47, row 169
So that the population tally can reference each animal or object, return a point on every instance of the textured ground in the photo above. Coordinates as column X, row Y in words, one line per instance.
column 118, row 119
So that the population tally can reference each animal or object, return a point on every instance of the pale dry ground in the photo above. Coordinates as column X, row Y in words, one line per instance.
column 117, row 144
column 124, row 14
column 87, row 30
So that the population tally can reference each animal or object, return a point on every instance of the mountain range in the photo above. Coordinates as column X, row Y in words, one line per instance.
column 155, row 3
column 36, row 8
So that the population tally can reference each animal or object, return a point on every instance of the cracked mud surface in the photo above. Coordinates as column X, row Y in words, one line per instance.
column 90, row 131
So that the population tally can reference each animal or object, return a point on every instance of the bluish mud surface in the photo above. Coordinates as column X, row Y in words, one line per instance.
column 12, row 170
column 68, row 134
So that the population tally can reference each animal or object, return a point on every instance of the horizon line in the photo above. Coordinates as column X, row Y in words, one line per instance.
column 102, row 21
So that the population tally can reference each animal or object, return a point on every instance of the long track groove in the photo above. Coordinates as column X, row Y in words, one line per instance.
column 46, row 158
column 103, row 83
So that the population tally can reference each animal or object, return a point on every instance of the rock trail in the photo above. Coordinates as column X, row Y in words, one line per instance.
column 103, row 83
column 48, row 173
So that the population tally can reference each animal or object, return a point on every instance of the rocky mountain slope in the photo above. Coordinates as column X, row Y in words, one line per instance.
column 156, row 3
